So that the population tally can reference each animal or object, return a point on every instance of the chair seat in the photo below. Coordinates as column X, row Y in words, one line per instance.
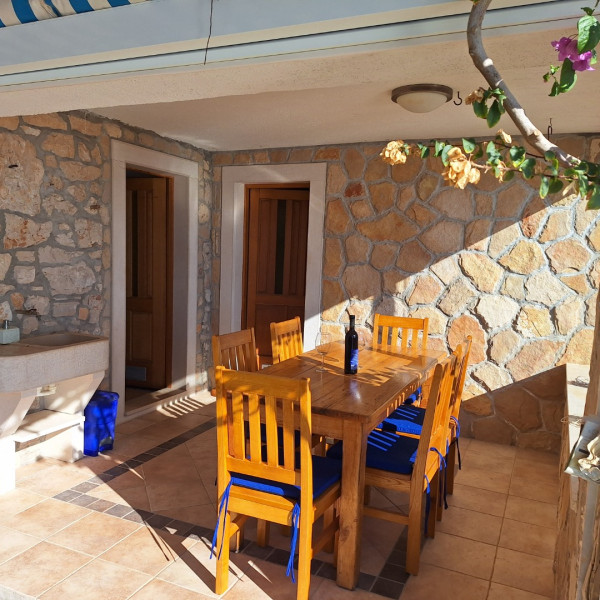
column 405, row 419
column 386, row 451
column 326, row 472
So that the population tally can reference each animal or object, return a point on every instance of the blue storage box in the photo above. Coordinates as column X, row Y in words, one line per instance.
column 99, row 426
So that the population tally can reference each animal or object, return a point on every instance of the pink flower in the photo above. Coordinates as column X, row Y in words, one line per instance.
column 567, row 48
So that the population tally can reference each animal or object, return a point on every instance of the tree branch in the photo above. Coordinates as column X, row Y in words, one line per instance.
column 486, row 67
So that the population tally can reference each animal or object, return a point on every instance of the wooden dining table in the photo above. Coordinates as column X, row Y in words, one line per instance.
column 348, row 407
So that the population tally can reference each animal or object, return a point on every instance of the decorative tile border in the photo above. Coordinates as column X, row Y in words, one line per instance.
column 388, row 584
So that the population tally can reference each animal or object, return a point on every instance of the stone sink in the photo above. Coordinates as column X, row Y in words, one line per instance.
column 63, row 370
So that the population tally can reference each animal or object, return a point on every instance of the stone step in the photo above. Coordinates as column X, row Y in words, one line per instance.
column 45, row 422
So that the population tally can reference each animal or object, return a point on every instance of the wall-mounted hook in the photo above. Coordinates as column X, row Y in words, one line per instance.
column 460, row 100
column 549, row 130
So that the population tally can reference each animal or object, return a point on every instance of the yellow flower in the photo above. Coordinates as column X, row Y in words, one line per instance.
column 394, row 153
column 460, row 170
column 475, row 96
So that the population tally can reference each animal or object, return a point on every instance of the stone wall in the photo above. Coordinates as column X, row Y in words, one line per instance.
column 517, row 273
column 55, row 222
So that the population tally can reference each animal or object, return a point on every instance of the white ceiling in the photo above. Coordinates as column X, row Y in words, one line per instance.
column 330, row 91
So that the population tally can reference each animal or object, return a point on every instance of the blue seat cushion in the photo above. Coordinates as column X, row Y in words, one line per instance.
column 405, row 419
column 386, row 451
column 326, row 472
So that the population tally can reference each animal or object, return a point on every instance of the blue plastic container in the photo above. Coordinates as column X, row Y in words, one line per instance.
column 99, row 426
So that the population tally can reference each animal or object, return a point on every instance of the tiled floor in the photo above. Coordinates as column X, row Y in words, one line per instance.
column 71, row 531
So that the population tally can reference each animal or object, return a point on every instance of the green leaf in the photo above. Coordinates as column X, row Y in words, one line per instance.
column 478, row 152
column 555, row 91
column 517, row 154
column 469, row 144
column 445, row 151
column 544, row 187
column 480, row 109
column 508, row 175
column 439, row 147
column 528, row 168
column 587, row 10
column 555, row 186
column 494, row 114
column 588, row 33
column 424, row 151
column 568, row 77
column 594, row 201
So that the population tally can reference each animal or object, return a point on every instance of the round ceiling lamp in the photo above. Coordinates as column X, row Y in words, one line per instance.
column 422, row 97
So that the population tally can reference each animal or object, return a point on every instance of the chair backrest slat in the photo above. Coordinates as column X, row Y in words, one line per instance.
column 265, row 402
column 286, row 339
column 411, row 332
column 236, row 350
column 459, row 382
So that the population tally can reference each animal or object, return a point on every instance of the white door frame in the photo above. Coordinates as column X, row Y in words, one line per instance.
column 234, row 180
column 185, row 261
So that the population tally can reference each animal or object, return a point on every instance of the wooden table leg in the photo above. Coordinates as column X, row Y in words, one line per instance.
column 351, row 504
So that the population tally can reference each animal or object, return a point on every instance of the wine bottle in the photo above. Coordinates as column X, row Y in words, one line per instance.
column 351, row 353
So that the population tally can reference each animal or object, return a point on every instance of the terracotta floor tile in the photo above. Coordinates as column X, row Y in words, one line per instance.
column 46, row 518
column 147, row 550
column 327, row 589
column 134, row 425
column 53, row 480
column 132, row 445
column 528, row 538
column 471, row 524
column 14, row 542
column 263, row 581
column 488, row 462
column 163, row 590
column 528, row 455
column 484, row 501
column 204, row 515
column 537, row 472
column 134, row 496
column 492, row 450
column 531, row 511
column 40, row 567
column 524, row 572
column 16, row 501
column 534, row 490
column 165, row 495
column 503, row 592
column 94, row 533
column 486, row 479
column 195, row 570
column 98, row 579
column 459, row 554
column 436, row 582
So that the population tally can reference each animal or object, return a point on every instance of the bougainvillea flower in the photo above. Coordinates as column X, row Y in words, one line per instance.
column 475, row 96
column 394, row 153
column 567, row 48
column 460, row 169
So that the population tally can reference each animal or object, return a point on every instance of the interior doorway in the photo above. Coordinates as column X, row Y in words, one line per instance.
column 184, row 175
column 275, row 234
column 149, row 282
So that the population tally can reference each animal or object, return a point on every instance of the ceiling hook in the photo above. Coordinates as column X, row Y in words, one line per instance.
column 460, row 101
column 549, row 130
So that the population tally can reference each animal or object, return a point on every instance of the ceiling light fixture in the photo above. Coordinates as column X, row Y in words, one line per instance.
column 422, row 97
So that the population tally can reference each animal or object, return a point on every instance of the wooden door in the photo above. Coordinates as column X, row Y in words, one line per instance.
column 275, row 260
column 148, row 282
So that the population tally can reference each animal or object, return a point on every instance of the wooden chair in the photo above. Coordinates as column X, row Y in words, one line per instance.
column 286, row 339
column 459, row 385
column 411, row 332
column 236, row 351
column 412, row 465
column 264, row 481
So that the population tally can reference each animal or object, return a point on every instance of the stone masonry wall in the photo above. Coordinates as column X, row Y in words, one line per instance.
column 518, row 273
column 55, row 223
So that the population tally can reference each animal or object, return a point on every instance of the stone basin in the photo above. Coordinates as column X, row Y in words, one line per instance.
column 46, row 359
column 60, row 339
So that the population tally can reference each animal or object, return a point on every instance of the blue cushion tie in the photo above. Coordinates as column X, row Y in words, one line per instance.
column 224, row 504
column 295, row 526
column 455, row 421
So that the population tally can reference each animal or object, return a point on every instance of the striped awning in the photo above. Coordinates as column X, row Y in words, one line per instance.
column 15, row 12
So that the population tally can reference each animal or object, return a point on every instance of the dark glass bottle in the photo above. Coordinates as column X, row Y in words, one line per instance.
column 351, row 354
